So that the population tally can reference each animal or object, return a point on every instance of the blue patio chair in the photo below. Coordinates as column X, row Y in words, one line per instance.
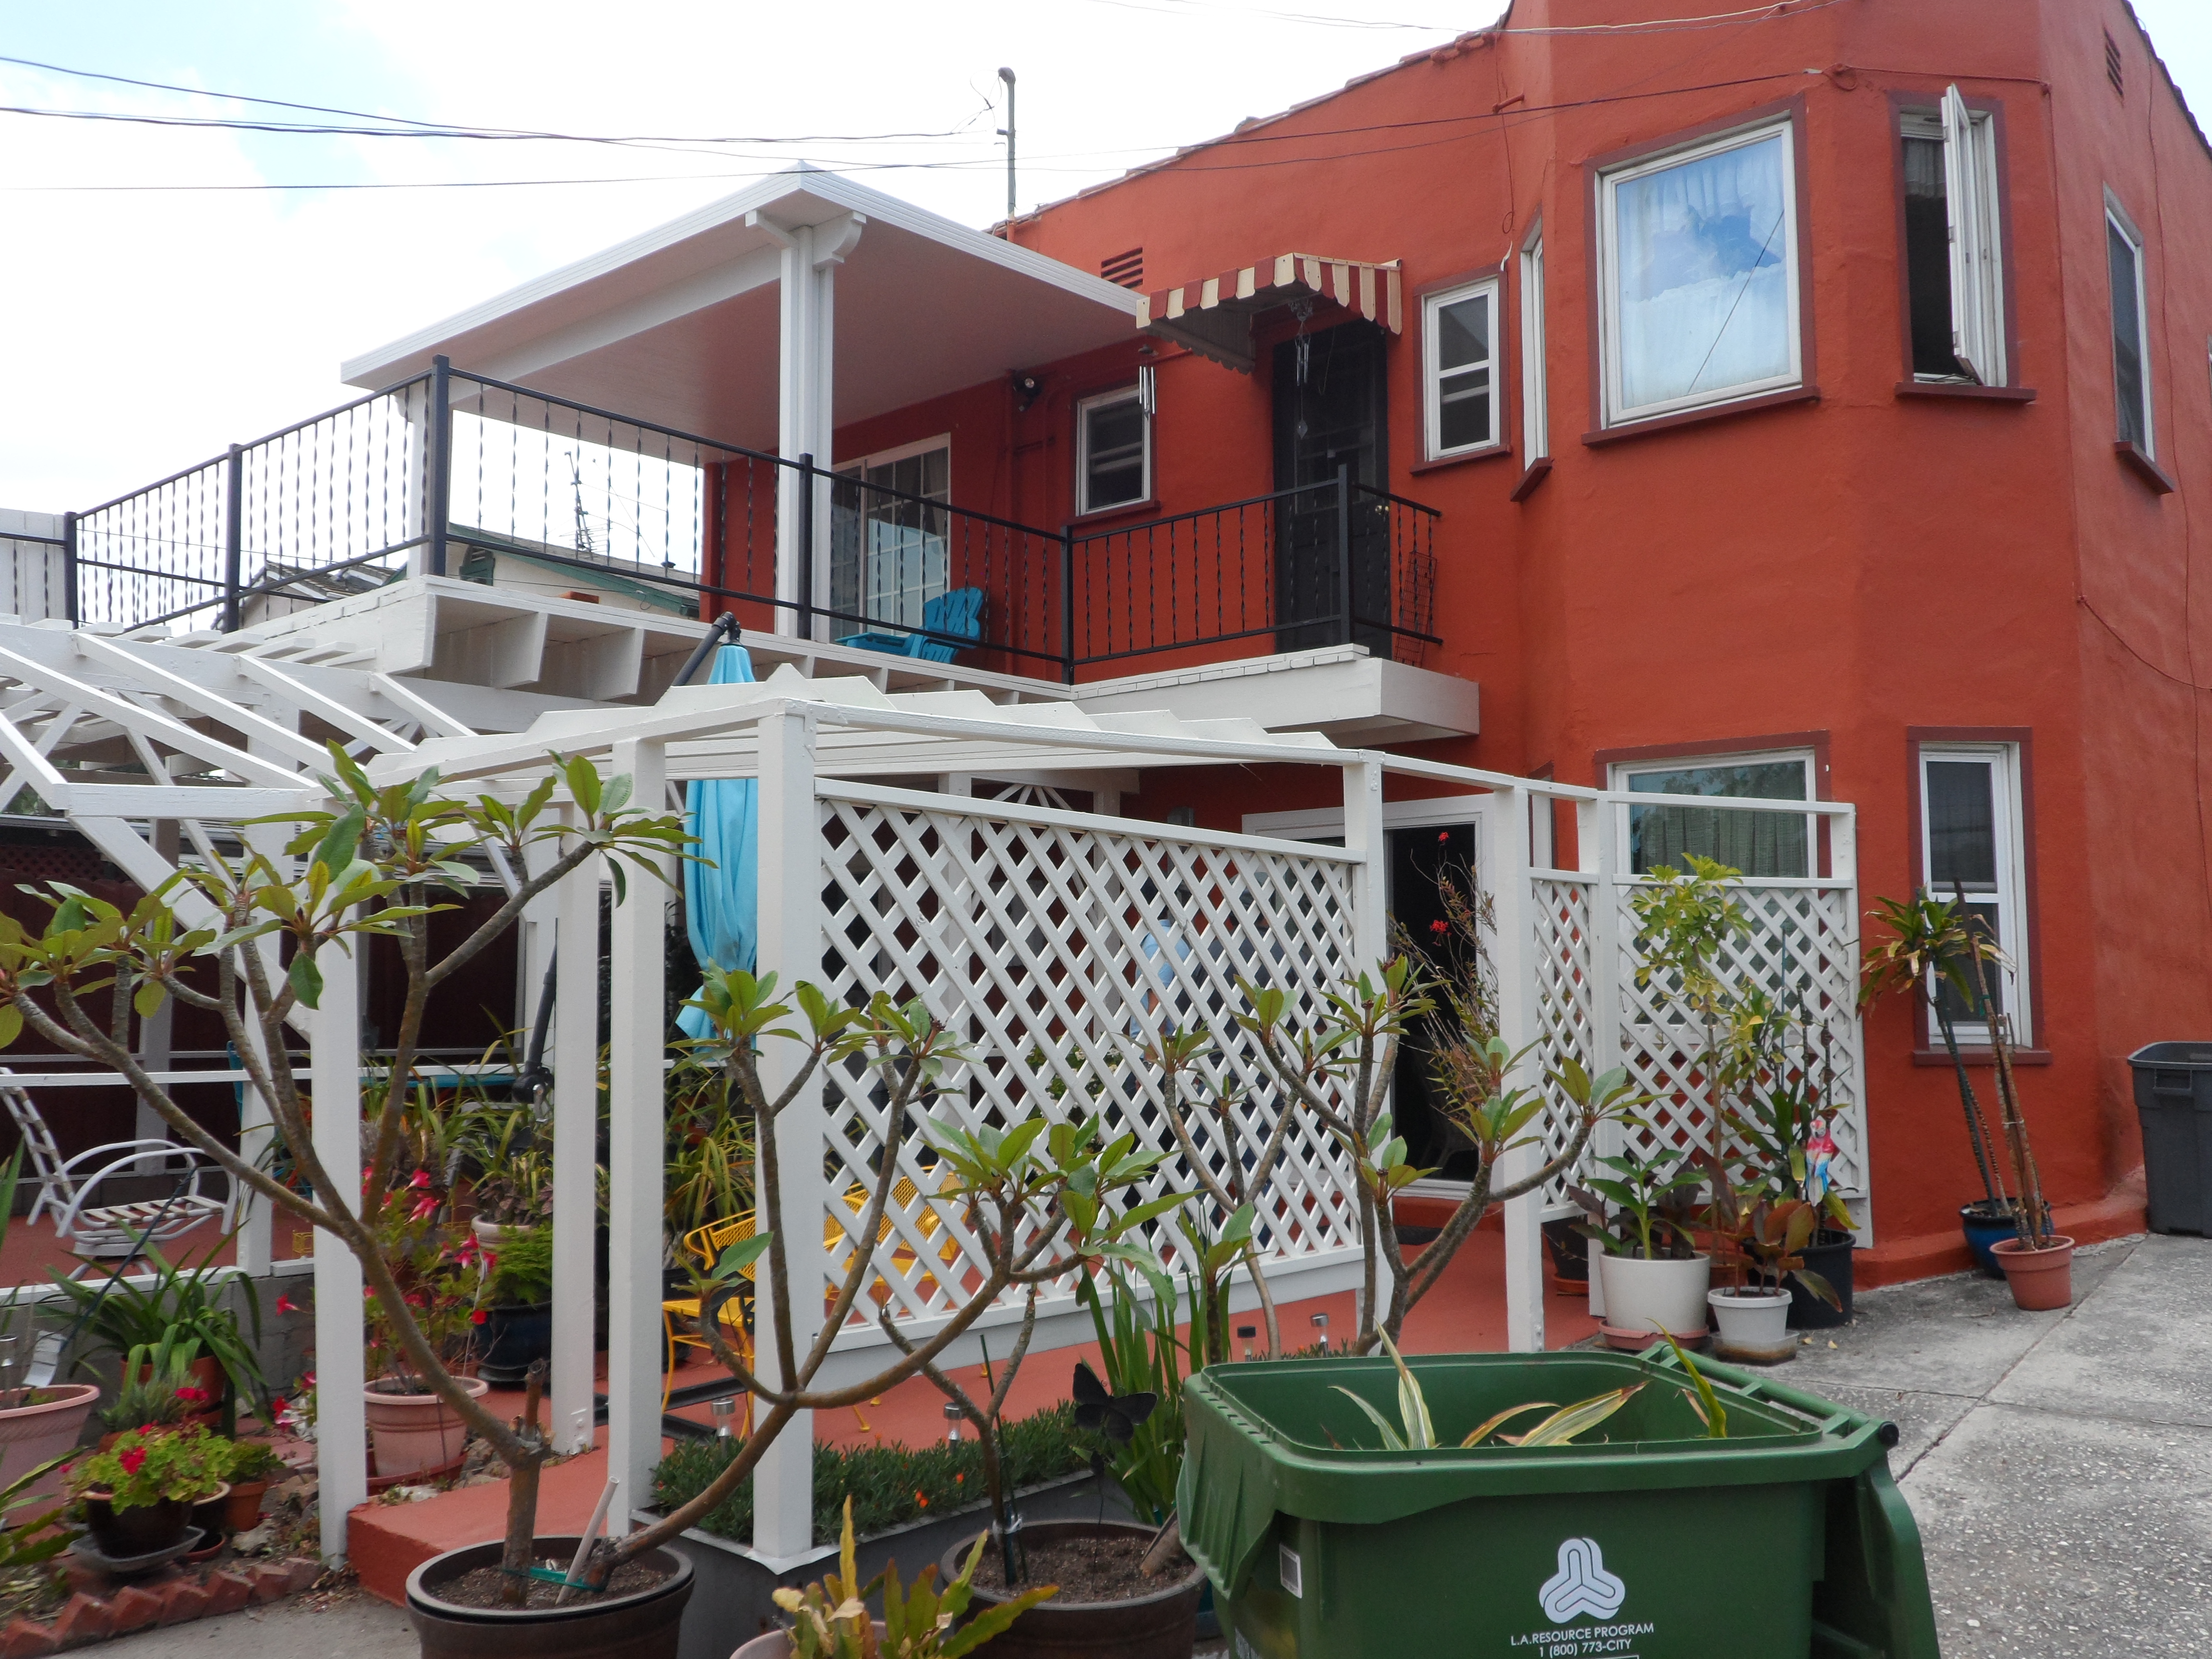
column 957, row 614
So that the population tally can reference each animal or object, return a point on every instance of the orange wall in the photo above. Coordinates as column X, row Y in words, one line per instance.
column 1857, row 566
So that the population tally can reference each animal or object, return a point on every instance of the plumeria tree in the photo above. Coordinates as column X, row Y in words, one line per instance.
column 1340, row 1068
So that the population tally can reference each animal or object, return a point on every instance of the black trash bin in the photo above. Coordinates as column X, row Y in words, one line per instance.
column 2174, row 1098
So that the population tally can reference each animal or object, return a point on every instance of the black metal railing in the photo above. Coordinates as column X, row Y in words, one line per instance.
column 459, row 475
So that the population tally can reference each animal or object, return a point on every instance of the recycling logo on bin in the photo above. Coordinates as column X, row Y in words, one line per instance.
column 1582, row 1585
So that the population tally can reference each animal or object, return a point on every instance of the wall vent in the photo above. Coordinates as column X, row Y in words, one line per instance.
column 2113, row 68
column 1128, row 269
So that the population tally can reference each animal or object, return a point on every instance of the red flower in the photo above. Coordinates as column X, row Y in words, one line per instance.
column 146, row 1429
column 417, row 1299
column 1442, row 835
column 285, row 1305
column 425, row 1207
column 1439, row 926
column 194, row 1395
column 478, row 1317
column 422, row 1179
column 133, row 1459
column 958, row 1479
column 921, row 1499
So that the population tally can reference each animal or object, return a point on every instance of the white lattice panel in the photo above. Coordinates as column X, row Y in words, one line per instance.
column 1054, row 946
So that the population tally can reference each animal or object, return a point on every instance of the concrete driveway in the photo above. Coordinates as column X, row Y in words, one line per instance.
column 2060, row 1464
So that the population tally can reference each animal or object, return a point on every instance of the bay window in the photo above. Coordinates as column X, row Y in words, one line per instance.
column 1699, row 300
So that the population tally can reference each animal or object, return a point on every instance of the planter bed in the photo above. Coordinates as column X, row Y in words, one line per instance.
column 733, row 1600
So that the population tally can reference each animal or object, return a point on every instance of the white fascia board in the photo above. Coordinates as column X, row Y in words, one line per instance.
column 837, row 195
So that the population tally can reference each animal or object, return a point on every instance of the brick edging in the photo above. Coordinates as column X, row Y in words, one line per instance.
column 172, row 1596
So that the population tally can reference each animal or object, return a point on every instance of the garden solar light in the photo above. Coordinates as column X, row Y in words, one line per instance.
column 724, row 1409
column 952, row 1423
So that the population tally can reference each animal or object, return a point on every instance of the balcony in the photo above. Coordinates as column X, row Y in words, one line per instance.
column 454, row 474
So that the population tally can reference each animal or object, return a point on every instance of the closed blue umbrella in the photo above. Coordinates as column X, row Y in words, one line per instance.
column 722, row 897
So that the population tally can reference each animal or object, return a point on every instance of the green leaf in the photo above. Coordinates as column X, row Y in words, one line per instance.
column 11, row 1024
column 307, row 978
column 1564, row 1423
column 1483, row 1429
column 1391, row 1440
column 736, row 1258
column 1413, row 1405
column 1704, row 1401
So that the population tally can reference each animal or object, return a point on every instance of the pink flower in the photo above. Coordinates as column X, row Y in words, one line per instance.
column 422, row 1179
column 425, row 1207
column 285, row 1305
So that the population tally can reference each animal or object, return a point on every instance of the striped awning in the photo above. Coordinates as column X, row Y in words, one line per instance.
column 1213, row 316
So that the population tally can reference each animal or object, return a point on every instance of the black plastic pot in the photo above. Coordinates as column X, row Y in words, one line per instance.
column 1161, row 1625
column 643, row 1625
column 1570, row 1252
column 142, row 1529
column 1829, row 1254
column 514, row 1335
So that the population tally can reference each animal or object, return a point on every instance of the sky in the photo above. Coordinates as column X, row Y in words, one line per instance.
column 143, row 330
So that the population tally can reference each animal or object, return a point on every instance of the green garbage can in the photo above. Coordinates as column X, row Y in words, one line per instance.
column 1645, row 1539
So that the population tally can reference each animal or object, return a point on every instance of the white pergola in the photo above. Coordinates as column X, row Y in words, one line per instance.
column 1046, row 938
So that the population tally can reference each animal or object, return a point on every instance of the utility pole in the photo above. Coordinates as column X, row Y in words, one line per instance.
column 1007, row 133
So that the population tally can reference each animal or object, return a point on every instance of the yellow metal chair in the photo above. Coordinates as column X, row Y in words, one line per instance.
column 704, row 1245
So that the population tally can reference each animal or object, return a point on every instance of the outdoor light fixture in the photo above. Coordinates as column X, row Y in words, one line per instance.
column 952, row 1423
column 724, row 1409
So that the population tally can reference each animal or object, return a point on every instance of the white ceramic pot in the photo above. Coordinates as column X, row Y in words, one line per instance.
column 776, row 1644
column 1752, row 1319
column 492, row 1234
column 412, row 1433
column 1596, row 1279
column 1655, row 1296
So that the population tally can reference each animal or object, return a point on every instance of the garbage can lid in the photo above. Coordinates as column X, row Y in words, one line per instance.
column 2173, row 1056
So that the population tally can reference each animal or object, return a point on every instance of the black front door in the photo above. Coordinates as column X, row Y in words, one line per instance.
column 1329, row 414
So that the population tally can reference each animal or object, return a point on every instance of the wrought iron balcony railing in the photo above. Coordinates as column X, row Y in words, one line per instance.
column 455, row 474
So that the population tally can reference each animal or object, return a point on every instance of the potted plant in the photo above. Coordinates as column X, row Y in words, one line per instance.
column 1653, row 1276
column 1759, row 1244
column 248, row 1466
column 159, row 1388
column 190, row 1302
column 509, row 1155
column 1783, row 1149
column 37, row 1424
column 138, row 1496
column 441, row 1282
column 517, row 1323
column 830, row 1618
column 1929, row 958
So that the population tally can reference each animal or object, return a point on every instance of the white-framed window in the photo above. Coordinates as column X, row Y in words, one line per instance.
column 1756, row 843
column 1972, row 848
column 889, row 553
column 1459, row 370
column 2123, row 254
column 1954, row 249
column 1113, row 449
column 1697, row 277
column 1535, row 393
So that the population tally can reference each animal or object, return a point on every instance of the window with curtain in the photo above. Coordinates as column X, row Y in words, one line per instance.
column 1699, row 288
column 1756, row 843
column 888, row 552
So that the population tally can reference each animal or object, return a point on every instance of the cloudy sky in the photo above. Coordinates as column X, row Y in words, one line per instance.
column 152, row 310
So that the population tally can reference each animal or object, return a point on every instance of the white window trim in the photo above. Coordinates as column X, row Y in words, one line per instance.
column 1970, row 205
column 1536, row 391
column 2012, row 879
column 1620, row 772
column 904, row 451
column 1609, row 186
column 1431, row 381
column 2116, row 217
column 1136, row 392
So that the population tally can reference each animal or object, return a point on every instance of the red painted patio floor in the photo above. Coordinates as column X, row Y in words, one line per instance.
column 1465, row 1313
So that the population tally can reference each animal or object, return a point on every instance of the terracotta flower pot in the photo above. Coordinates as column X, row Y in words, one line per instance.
column 207, row 1374
column 31, row 1433
column 415, row 1432
column 2040, row 1280
column 243, row 1507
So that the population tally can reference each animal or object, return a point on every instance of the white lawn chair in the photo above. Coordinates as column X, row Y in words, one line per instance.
column 200, row 1189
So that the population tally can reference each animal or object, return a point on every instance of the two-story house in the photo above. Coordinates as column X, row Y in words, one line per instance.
column 1801, row 405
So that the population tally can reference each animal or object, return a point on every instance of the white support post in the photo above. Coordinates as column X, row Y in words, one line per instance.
column 341, row 1373
column 575, row 1148
column 1508, row 881
column 636, row 1134
column 156, row 1041
column 804, row 422
column 1363, row 835
column 790, row 926
column 1596, row 855
column 255, row 1128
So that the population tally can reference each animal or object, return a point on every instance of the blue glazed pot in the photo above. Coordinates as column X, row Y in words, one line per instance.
column 1986, row 1225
